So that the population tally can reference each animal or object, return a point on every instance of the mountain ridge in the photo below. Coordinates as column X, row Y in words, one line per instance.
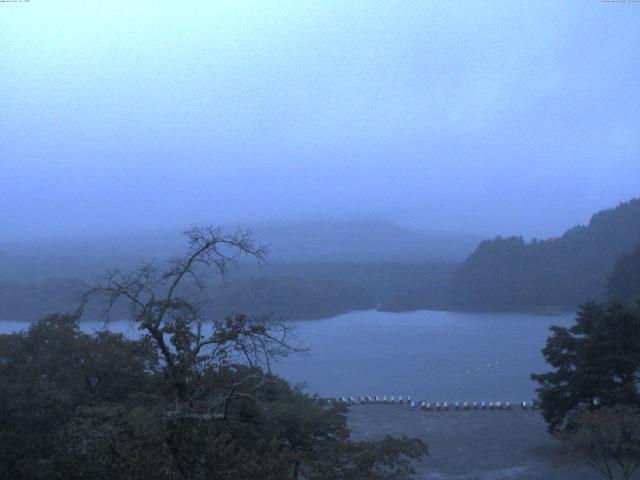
column 507, row 273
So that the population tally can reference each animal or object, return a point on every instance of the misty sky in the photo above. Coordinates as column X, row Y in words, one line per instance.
column 482, row 117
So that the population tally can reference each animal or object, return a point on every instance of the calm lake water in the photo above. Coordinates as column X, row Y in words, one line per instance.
column 426, row 354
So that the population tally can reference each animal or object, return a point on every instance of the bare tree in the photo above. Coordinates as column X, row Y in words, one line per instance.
column 189, row 347
column 608, row 439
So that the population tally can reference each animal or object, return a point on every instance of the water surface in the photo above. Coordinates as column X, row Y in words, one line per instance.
column 426, row 354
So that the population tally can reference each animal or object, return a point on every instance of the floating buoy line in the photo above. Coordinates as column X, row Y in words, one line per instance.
column 443, row 406
column 494, row 363
column 430, row 406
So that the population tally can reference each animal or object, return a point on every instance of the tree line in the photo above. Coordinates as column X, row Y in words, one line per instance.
column 193, row 398
column 590, row 400
column 559, row 273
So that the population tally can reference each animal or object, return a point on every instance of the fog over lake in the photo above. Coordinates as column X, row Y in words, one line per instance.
column 439, row 356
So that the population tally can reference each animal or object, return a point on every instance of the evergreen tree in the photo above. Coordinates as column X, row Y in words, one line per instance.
column 596, row 363
column 624, row 281
column 558, row 273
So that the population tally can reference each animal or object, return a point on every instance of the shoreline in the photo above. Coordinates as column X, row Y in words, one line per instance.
column 473, row 445
column 329, row 316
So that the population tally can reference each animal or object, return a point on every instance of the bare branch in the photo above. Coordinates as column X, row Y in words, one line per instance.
column 176, row 326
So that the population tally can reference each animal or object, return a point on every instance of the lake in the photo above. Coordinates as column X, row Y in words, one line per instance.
column 426, row 354
column 432, row 355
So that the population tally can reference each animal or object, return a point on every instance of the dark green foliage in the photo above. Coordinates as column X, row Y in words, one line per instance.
column 624, row 281
column 77, row 406
column 191, row 400
column 388, row 459
column 596, row 363
column 607, row 439
column 297, row 291
column 322, row 290
column 48, row 373
column 560, row 273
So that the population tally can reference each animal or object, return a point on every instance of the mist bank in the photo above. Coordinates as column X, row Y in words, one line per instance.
column 293, row 291
column 317, row 270
column 313, row 269
column 317, row 242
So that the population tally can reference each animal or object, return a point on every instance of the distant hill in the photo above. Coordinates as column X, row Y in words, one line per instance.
column 362, row 241
column 511, row 274
column 315, row 269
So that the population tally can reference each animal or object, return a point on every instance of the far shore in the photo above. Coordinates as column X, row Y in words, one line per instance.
column 543, row 312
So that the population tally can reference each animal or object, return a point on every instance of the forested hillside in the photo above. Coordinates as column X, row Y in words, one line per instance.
column 314, row 269
column 624, row 282
column 511, row 274
column 310, row 242
column 302, row 290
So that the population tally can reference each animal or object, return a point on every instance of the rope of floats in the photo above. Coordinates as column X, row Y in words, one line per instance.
column 432, row 406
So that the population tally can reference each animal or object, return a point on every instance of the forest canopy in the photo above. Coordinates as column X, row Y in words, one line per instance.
column 193, row 398
column 559, row 273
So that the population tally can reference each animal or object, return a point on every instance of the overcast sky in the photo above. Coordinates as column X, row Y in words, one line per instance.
column 483, row 117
